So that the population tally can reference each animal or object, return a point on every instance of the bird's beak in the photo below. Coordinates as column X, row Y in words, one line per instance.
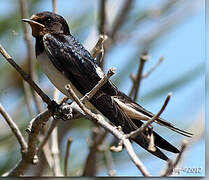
column 33, row 23
column 37, row 28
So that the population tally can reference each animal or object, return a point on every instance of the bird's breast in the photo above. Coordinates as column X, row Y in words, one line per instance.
column 57, row 78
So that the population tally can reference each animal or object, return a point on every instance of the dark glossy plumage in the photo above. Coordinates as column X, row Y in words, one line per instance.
column 77, row 65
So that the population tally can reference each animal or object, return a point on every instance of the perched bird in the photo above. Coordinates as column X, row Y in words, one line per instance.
column 65, row 61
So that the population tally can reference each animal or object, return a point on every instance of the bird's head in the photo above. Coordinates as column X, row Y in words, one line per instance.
column 47, row 22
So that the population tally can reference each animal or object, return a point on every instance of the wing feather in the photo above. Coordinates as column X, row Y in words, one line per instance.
column 136, row 107
column 75, row 62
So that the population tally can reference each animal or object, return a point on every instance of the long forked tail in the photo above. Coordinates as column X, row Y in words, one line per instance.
column 159, row 142
column 144, row 142
column 173, row 128
column 116, row 115
column 136, row 111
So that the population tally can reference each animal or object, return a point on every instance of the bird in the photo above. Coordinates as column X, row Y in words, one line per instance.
column 65, row 61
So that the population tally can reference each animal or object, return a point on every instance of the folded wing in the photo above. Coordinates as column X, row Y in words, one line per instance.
column 75, row 62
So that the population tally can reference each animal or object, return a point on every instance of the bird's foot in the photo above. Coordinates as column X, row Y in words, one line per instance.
column 65, row 112
column 62, row 111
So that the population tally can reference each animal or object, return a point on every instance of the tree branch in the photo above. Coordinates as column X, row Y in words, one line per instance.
column 48, row 134
column 30, row 156
column 28, row 96
column 14, row 129
column 137, row 132
column 90, row 165
column 102, row 31
column 70, row 139
column 98, row 51
column 153, row 68
column 54, row 122
column 27, row 37
column 54, row 141
column 26, row 77
column 28, row 40
column 171, row 165
column 137, row 81
column 54, row 4
column 55, row 153
column 119, row 21
column 102, row 17
column 44, row 145
column 90, row 94
column 109, row 162
column 100, row 120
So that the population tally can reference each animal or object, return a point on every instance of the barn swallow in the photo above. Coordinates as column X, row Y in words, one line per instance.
column 65, row 61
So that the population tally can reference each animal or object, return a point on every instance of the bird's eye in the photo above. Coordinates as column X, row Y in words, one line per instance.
column 48, row 20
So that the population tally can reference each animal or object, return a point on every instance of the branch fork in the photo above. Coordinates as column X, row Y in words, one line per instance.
column 119, row 134
column 30, row 156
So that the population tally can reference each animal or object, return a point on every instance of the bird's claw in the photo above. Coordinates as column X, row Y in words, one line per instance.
column 66, row 110
column 62, row 111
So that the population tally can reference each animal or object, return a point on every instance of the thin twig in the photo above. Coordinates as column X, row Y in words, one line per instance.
column 171, row 165
column 44, row 140
column 109, row 163
column 90, row 165
column 25, row 76
column 70, row 139
column 153, row 68
column 56, row 94
column 53, row 123
column 37, row 124
column 117, row 24
column 48, row 134
column 151, row 146
column 137, row 82
column 64, row 100
column 54, row 4
column 117, row 148
column 102, row 31
column 90, row 94
column 14, row 129
column 47, row 153
column 29, row 43
column 134, row 157
column 100, row 120
column 55, row 153
column 120, row 20
column 27, row 37
column 28, row 96
column 54, row 142
column 135, row 133
column 102, row 17
column 99, row 47
column 44, row 145
column 30, row 156
column 178, row 158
